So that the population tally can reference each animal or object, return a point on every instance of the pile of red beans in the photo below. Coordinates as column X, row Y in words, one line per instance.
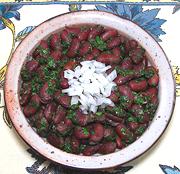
column 64, row 126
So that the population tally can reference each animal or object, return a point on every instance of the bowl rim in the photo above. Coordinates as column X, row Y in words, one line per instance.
column 95, row 167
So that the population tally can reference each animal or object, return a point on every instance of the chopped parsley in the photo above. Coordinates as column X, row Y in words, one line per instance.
column 99, row 114
column 51, row 88
column 147, row 73
column 67, row 147
column 43, row 124
column 132, row 119
column 140, row 130
column 36, row 84
column 51, row 63
column 85, row 131
column 124, row 72
column 98, row 43
column 25, row 75
column 82, row 147
column 123, row 131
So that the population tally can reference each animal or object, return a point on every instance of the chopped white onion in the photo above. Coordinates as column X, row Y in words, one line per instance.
column 112, row 76
column 90, row 86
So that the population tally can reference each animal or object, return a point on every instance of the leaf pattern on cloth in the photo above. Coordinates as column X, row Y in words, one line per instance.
column 146, row 19
column 52, row 168
column 22, row 34
column 169, row 170
column 8, row 11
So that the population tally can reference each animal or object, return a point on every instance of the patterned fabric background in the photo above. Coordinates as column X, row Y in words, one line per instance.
column 17, row 20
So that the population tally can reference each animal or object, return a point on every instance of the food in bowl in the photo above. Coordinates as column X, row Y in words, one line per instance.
column 88, row 89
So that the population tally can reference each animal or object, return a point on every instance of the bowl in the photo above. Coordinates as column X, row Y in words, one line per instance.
column 156, row 56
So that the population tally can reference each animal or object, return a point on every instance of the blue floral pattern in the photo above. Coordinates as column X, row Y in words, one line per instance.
column 7, row 12
column 169, row 170
column 146, row 19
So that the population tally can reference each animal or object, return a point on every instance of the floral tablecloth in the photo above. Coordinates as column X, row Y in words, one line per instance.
column 162, row 21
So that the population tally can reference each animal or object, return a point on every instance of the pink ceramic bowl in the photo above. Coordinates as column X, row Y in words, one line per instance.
column 156, row 56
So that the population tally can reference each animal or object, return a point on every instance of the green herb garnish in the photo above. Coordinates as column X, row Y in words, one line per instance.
column 124, row 72
column 51, row 88
column 99, row 114
column 67, row 147
column 123, row 131
column 51, row 63
column 85, row 131
column 132, row 119
column 98, row 43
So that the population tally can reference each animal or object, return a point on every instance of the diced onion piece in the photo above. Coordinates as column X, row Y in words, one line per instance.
column 112, row 76
column 74, row 100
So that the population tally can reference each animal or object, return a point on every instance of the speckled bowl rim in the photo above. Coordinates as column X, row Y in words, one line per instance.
column 129, row 153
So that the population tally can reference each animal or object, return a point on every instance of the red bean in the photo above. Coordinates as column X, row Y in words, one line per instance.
column 70, row 65
column 138, row 85
column 114, row 97
column 82, row 119
column 114, row 42
column 68, row 122
column 127, row 93
column 29, row 110
column 49, row 111
column 56, row 55
column 55, row 41
column 108, row 34
column 137, row 55
column 126, row 64
column 133, row 44
column 73, row 30
column 108, row 58
column 85, row 48
column 151, row 92
column 96, row 31
column 83, row 35
column 59, row 115
column 106, row 148
column 119, row 143
column 98, row 133
column 63, row 128
column 133, row 125
column 81, row 132
column 137, row 110
column 154, row 80
column 75, row 145
column 89, row 57
column 154, row 100
column 95, row 52
column 127, row 47
column 120, row 80
column 55, row 140
column 25, row 96
column 43, row 44
column 74, row 47
column 108, row 132
column 113, row 118
column 33, row 106
column 64, row 101
column 116, row 51
column 45, row 96
column 64, row 84
column 138, row 69
column 32, row 66
column 91, row 150
column 65, row 36
column 123, row 132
